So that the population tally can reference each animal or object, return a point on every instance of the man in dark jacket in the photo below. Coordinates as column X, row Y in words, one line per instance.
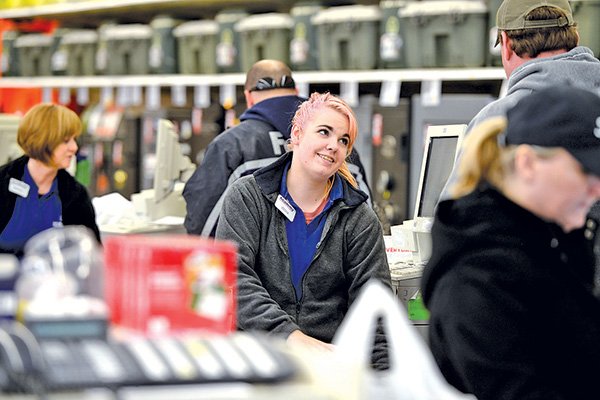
column 259, row 140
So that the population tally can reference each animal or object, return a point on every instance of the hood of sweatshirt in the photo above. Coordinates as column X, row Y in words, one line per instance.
column 277, row 111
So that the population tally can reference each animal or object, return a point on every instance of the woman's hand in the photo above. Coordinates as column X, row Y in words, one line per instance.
column 298, row 338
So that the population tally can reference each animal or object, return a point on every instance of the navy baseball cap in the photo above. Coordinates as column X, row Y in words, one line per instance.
column 559, row 116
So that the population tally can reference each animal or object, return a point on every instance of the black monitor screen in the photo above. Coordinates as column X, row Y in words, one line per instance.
column 440, row 160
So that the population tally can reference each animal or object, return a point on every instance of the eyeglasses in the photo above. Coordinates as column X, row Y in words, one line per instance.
column 286, row 82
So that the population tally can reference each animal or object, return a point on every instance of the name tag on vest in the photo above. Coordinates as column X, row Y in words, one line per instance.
column 285, row 207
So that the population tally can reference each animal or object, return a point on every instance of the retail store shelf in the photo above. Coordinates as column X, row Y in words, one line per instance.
column 313, row 77
column 69, row 8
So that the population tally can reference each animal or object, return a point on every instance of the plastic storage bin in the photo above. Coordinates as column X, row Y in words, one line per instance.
column 228, row 41
column 391, row 43
column 196, row 46
column 444, row 33
column 170, row 283
column 162, row 55
column 35, row 54
column 264, row 36
column 493, row 57
column 128, row 48
column 10, row 58
column 303, row 46
column 587, row 15
column 77, row 51
column 347, row 37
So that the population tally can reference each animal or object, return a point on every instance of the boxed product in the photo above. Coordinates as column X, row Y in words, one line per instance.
column 171, row 283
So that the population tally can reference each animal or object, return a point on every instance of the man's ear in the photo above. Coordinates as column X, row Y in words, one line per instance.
column 249, row 98
column 506, row 46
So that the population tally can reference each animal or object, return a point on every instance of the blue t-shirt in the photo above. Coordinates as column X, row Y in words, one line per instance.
column 303, row 238
column 32, row 215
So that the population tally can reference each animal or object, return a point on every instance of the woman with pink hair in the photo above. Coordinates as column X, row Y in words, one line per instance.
column 307, row 239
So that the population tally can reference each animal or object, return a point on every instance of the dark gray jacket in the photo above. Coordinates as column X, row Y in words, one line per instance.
column 351, row 251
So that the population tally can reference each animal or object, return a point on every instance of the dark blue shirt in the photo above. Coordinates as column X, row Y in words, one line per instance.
column 303, row 238
column 32, row 215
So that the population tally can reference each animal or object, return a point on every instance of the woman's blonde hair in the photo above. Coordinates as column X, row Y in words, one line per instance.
column 484, row 158
column 306, row 112
column 44, row 127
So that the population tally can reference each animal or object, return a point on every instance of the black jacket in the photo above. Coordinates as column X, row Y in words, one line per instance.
column 513, row 315
column 77, row 207
column 259, row 140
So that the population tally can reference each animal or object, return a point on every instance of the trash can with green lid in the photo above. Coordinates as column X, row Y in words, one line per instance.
column 128, row 47
column 35, row 54
column 162, row 55
column 228, row 40
column 10, row 57
column 444, row 33
column 196, row 46
column 264, row 36
column 348, row 37
column 303, row 45
column 587, row 15
column 391, row 43
column 78, row 47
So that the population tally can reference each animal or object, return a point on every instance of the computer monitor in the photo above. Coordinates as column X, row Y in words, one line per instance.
column 9, row 149
column 172, row 170
column 441, row 147
column 171, row 164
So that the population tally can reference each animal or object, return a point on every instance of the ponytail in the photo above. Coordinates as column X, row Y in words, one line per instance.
column 482, row 158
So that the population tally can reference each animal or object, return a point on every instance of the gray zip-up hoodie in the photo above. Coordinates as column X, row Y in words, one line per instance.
column 350, row 252
column 578, row 67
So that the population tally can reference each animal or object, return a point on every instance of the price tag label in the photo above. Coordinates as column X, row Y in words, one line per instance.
column 201, row 96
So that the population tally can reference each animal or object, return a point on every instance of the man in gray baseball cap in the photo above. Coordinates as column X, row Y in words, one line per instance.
column 538, row 42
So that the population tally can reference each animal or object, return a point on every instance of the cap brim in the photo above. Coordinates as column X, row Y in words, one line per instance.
column 589, row 159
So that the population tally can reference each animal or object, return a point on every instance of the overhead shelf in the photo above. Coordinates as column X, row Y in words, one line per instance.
column 120, row 8
column 312, row 77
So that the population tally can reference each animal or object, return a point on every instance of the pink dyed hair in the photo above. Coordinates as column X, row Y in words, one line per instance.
column 310, row 107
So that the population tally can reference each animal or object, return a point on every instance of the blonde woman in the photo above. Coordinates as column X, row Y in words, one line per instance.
column 510, row 281
column 36, row 193
column 307, row 239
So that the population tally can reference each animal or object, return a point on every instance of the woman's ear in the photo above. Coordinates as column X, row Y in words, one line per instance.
column 525, row 160
column 295, row 135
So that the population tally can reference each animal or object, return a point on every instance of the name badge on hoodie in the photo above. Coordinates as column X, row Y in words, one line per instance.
column 285, row 207
column 18, row 187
